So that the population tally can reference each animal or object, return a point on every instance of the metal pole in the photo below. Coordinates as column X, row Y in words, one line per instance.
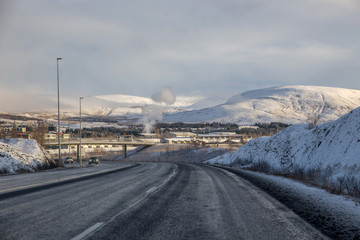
column 58, row 95
column 80, row 133
column 69, row 140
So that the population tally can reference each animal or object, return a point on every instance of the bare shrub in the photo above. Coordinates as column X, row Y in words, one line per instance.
column 298, row 174
column 3, row 171
column 242, row 162
column 38, row 132
column 262, row 166
column 349, row 185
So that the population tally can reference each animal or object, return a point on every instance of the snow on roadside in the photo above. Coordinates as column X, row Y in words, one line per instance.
column 336, row 216
column 327, row 155
column 22, row 155
column 224, row 159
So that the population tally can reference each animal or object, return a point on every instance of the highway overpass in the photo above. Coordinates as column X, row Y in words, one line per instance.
column 97, row 142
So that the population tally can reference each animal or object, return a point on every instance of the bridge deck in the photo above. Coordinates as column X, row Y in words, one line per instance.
column 94, row 142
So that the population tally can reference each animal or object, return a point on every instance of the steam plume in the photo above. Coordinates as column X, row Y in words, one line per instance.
column 165, row 96
column 153, row 114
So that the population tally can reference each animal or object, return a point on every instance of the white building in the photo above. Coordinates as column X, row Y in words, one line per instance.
column 210, row 138
column 182, row 134
column 219, row 137
column 178, row 140
column 248, row 127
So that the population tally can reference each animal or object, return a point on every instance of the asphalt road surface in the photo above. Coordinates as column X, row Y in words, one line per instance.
column 143, row 201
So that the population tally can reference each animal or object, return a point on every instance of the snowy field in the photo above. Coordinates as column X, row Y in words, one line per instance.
column 18, row 155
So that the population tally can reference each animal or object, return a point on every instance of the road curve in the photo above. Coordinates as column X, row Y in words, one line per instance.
column 153, row 201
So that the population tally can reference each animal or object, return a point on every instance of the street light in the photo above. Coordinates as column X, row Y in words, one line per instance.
column 80, row 133
column 58, row 95
column 69, row 140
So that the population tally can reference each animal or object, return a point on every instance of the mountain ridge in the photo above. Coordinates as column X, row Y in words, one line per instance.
column 288, row 104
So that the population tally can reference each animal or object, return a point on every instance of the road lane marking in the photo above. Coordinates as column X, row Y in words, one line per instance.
column 151, row 190
column 88, row 231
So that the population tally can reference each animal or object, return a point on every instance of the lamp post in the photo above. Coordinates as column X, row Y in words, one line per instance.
column 80, row 133
column 69, row 140
column 58, row 96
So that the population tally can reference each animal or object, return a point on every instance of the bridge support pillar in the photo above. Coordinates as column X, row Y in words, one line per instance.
column 77, row 152
column 125, row 150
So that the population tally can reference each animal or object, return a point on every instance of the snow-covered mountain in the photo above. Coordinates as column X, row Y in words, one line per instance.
column 120, row 104
column 327, row 154
column 291, row 104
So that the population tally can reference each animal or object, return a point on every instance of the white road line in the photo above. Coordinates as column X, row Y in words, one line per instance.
column 147, row 193
column 151, row 190
column 88, row 231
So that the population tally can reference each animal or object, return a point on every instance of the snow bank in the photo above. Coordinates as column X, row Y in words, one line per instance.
column 22, row 155
column 328, row 155
column 224, row 159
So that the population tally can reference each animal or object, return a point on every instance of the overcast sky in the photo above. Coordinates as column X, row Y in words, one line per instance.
column 197, row 47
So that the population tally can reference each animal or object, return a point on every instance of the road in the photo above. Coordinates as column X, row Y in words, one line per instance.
column 145, row 201
column 25, row 181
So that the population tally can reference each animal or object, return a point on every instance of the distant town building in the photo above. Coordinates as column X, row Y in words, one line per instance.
column 219, row 137
column 178, row 140
column 248, row 127
column 54, row 136
column 182, row 134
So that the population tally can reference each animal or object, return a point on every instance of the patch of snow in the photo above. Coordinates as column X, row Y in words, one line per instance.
column 21, row 155
column 224, row 159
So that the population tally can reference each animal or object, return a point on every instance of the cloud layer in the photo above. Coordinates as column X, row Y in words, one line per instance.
column 205, row 47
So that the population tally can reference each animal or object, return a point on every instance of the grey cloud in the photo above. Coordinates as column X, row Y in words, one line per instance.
column 135, row 47
column 15, row 101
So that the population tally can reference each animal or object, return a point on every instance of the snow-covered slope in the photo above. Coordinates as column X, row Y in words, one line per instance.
column 120, row 104
column 22, row 155
column 329, row 153
column 292, row 104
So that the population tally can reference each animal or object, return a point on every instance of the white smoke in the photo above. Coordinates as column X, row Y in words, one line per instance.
column 152, row 114
column 165, row 96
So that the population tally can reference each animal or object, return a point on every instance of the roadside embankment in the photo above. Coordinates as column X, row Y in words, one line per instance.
column 326, row 155
column 23, row 155
column 336, row 216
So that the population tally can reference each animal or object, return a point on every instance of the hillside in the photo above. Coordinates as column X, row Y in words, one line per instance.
column 124, row 105
column 327, row 155
column 22, row 155
column 292, row 104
